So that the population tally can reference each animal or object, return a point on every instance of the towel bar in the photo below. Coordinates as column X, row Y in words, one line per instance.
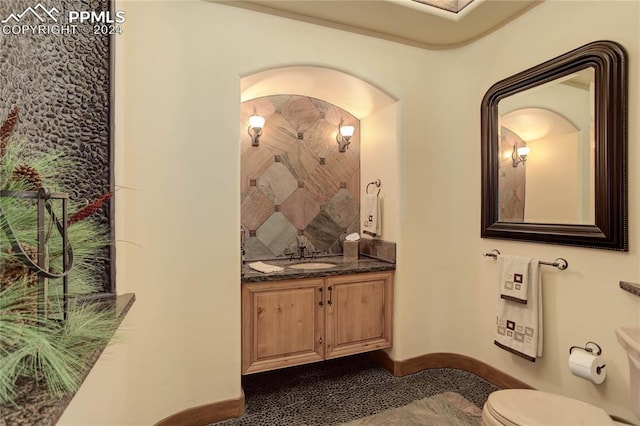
column 559, row 263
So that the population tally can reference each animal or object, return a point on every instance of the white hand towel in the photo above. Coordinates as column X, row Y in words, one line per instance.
column 371, row 225
column 515, row 278
column 265, row 268
column 519, row 327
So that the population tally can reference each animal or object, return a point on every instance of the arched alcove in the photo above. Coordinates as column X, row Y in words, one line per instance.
column 346, row 91
column 375, row 108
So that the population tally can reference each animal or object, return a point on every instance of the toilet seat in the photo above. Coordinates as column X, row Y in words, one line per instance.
column 519, row 407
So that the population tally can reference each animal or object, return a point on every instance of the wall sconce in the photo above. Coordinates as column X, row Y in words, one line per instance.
column 519, row 155
column 256, row 123
column 343, row 137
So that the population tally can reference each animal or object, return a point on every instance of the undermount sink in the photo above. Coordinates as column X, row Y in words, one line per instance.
column 313, row 265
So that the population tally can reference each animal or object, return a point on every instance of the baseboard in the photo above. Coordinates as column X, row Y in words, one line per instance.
column 448, row 360
column 233, row 408
column 206, row 414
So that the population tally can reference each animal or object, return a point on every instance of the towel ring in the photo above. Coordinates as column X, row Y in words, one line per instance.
column 377, row 183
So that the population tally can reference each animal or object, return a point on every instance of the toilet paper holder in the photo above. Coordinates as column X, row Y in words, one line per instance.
column 592, row 348
column 589, row 347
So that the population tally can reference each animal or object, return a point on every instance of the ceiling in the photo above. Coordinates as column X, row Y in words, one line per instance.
column 434, row 24
column 450, row 5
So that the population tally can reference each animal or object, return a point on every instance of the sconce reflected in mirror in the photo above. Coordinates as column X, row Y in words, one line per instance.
column 343, row 137
column 256, row 123
column 519, row 155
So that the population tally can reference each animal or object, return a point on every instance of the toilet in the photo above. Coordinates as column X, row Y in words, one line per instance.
column 511, row 407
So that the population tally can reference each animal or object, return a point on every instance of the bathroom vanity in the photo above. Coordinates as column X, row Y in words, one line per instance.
column 299, row 316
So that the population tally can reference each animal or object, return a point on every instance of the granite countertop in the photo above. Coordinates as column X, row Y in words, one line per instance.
column 632, row 288
column 34, row 406
column 363, row 264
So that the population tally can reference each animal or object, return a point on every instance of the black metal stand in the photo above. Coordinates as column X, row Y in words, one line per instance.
column 43, row 199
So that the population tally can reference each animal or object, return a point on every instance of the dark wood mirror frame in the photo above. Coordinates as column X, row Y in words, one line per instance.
column 610, row 231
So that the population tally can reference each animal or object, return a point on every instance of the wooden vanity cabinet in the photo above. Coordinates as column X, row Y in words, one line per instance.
column 294, row 322
column 359, row 317
column 282, row 324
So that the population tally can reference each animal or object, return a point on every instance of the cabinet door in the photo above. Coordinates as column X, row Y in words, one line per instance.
column 359, row 311
column 283, row 323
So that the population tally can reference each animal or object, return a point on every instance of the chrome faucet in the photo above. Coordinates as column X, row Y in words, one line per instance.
column 302, row 248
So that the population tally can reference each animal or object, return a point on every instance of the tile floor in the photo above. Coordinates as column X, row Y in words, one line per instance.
column 341, row 390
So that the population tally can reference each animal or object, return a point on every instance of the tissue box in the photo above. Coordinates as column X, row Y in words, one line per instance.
column 350, row 250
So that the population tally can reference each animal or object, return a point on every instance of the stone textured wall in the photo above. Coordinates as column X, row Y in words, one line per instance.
column 297, row 182
column 61, row 83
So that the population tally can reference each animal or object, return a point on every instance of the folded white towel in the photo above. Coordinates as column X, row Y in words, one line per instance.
column 515, row 277
column 265, row 268
column 519, row 327
column 371, row 225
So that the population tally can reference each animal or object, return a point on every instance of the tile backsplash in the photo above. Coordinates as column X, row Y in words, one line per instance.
column 296, row 182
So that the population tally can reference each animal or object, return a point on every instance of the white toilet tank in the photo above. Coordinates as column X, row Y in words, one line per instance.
column 629, row 339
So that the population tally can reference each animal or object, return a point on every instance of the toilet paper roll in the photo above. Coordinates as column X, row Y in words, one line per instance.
column 588, row 366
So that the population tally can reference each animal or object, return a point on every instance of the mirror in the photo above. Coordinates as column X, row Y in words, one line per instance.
column 554, row 182
column 554, row 141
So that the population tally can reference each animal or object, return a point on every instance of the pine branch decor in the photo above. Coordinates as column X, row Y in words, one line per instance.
column 6, row 130
column 31, row 177
column 47, row 350
column 90, row 208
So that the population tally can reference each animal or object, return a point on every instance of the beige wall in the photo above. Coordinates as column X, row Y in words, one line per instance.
column 177, row 147
column 554, row 181
column 379, row 160
column 582, row 303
